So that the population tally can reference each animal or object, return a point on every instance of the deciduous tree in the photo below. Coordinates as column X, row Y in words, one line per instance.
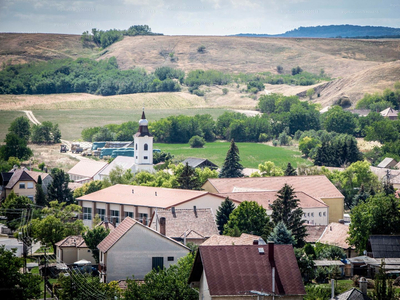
column 21, row 127
column 93, row 237
column 12, row 208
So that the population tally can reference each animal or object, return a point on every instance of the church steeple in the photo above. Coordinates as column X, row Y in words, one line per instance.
column 143, row 126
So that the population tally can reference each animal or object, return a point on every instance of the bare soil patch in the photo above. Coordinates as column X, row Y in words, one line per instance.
column 51, row 156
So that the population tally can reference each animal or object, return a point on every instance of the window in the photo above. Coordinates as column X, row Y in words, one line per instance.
column 146, row 147
column 143, row 218
column 308, row 214
column 145, row 157
column 30, row 198
column 87, row 213
column 170, row 258
column 115, row 216
column 30, row 185
column 128, row 214
column 305, row 215
column 102, row 213
column 88, row 251
column 324, row 214
column 320, row 214
column 157, row 263
column 22, row 185
column 136, row 147
column 312, row 214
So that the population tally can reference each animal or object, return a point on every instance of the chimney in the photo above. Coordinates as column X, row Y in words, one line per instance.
column 195, row 210
column 162, row 226
column 363, row 285
column 255, row 242
column 173, row 211
column 271, row 253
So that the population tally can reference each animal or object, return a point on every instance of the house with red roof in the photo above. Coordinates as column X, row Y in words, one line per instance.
column 73, row 248
column 245, row 271
column 135, row 249
column 318, row 187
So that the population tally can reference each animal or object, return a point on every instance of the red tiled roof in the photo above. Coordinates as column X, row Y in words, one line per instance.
column 336, row 234
column 265, row 198
column 185, row 220
column 144, row 195
column 317, row 186
column 243, row 239
column 116, row 234
column 314, row 233
column 237, row 270
column 72, row 241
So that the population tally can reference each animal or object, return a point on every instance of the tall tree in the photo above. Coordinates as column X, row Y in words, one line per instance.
column 286, row 209
column 232, row 167
column 188, row 179
column 281, row 235
column 13, row 283
column 12, row 208
column 56, row 223
column 248, row 217
column 93, row 237
column 223, row 213
column 379, row 214
column 58, row 188
column 15, row 147
column 290, row 171
column 40, row 196
column 20, row 126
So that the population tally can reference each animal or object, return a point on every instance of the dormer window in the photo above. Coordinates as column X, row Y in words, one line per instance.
column 146, row 147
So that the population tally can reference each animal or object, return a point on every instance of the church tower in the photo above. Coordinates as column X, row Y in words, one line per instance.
column 143, row 143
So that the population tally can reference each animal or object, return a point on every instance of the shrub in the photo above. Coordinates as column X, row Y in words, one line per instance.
column 279, row 69
column 201, row 49
column 197, row 142
column 41, row 166
column 321, row 275
column 225, row 91
column 263, row 137
column 275, row 143
column 199, row 93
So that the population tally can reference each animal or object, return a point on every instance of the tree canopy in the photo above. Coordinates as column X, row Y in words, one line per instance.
column 58, row 188
column 223, row 213
column 232, row 167
column 93, row 237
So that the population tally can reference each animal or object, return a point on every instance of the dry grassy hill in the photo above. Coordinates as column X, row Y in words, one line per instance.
column 359, row 66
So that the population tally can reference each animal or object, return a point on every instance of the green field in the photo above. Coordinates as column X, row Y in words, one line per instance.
column 71, row 122
column 251, row 154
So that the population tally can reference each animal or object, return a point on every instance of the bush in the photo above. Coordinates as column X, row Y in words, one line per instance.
column 41, row 166
column 321, row 275
column 201, row 49
column 197, row 142
column 275, row 143
column 199, row 93
column 279, row 69
column 263, row 137
column 225, row 91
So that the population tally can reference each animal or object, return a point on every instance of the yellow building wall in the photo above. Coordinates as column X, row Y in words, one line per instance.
column 209, row 187
column 336, row 208
column 23, row 192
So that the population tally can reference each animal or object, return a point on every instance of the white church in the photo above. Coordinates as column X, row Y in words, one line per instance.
column 143, row 143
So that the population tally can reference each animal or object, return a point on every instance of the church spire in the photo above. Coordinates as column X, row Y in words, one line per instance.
column 143, row 126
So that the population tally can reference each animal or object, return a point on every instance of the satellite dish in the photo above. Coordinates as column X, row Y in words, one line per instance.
column 365, row 252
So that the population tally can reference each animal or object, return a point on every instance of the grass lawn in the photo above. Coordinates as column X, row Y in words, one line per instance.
column 72, row 122
column 251, row 154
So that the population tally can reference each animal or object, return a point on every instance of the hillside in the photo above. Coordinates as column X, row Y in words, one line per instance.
column 359, row 66
column 333, row 31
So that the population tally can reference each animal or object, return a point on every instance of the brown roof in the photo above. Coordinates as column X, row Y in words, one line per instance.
column 106, row 225
column 243, row 239
column 336, row 234
column 115, row 235
column 87, row 168
column 314, row 233
column 317, row 186
column 266, row 198
column 186, row 220
column 237, row 270
column 72, row 241
column 19, row 175
column 144, row 195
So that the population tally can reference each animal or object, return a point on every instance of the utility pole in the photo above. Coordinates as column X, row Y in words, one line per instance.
column 45, row 273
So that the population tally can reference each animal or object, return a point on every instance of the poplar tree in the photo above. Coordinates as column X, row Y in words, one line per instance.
column 286, row 209
column 232, row 167
column 40, row 197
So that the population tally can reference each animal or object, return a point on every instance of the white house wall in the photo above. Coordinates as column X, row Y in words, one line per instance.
column 204, row 292
column 313, row 216
column 132, row 254
column 206, row 201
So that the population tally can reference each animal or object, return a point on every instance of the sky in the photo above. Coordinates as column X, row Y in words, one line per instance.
column 200, row 17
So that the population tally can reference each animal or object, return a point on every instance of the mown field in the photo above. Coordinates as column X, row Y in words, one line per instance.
column 251, row 154
column 71, row 122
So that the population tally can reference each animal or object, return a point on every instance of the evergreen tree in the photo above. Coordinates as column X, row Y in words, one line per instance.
column 188, row 179
column 58, row 189
column 223, row 212
column 232, row 167
column 281, row 235
column 290, row 171
column 40, row 197
column 286, row 209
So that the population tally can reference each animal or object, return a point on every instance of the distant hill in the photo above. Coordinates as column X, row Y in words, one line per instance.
column 333, row 31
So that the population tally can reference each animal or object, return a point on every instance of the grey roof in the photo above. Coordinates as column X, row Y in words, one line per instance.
column 362, row 259
column 353, row 294
column 125, row 162
column 325, row 262
column 386, row 162
column 197, row 162
column 385, row 246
